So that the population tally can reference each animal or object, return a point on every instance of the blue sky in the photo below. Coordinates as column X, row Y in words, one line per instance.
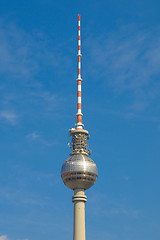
column 121, row 107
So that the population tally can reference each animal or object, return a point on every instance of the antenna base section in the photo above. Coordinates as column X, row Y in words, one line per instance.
column 79, row 125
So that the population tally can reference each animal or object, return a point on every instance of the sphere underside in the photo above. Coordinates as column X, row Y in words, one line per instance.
column 79, row 171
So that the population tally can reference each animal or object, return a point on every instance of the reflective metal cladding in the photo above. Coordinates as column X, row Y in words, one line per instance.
column 79, row 171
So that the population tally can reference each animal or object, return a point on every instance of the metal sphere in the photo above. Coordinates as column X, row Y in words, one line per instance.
column 79, row 171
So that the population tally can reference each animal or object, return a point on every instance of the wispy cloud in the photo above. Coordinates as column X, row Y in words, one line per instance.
column 107, row 207
column 48, row 100
column 23, row 239
column 34, row 136
column 127, row 178
column 128, row 61
column 103, row 211
column 22, row 57
column 3, row 237
column 127, row 212
column 18, row 196
column 9, row 117
column 26, row 178
column 32, row 175
column 23, row 54
column 16, row 56
column 128, row 57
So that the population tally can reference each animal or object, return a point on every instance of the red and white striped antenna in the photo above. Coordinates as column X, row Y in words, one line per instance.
column 79, row 114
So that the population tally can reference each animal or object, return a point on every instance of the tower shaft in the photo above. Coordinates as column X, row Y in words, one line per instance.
column 79, row 200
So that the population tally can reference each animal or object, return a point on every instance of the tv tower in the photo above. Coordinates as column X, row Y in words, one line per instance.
column 79, row 172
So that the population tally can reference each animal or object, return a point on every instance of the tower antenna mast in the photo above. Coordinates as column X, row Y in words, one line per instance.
column 79, row 114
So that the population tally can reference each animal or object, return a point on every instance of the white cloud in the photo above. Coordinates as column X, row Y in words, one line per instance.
column 3, row 237
column 128, row 61
column 129, row 56
column 127, row 178
column 23, row 56
column 22, row 53
column 131, row 213
column 9, row 116
column 34, row 136
column 16, row 51
column 112, row 207
column 23, row 239
column 46, row 99
column 17, row 196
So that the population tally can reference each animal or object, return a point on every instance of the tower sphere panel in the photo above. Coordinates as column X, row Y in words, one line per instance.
column 79, row 171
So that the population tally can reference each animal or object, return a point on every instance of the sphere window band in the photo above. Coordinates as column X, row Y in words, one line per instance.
column 76, row 178
column 83, row 177
column 74, row 173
